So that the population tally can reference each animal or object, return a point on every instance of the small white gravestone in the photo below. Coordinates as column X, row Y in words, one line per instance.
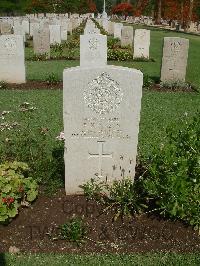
column 64, row 29
column 6, row 28
column 55, row 34
column 118, row 30
column 101, row 123
column 41, row 41
column 19, row 30
column 93, row 30
column 93, row 50
column 105, row 24
column 141, row 43
column 174, row 61
column 110, row 28
column 64, row 32
column 12, row 66
column 33, row 26
column 127, row 36
column 25, row 25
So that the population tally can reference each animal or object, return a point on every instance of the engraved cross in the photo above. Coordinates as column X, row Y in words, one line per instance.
column 101, row 154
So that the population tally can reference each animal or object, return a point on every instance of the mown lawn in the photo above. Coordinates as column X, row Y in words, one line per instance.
column 40, row 70
column 159, row 110
column 159, row 259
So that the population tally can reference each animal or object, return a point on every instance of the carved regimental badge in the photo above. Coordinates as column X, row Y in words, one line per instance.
column 103, row 95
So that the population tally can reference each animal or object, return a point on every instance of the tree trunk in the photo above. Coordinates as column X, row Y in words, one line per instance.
column 190, row 13
column 159, row 12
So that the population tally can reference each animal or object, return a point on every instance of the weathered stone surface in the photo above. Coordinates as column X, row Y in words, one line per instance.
column 110, row 28
column 6, row 28
column 174, row 61
column 12, row 67
column 141, row 43
column 118, row 30
column 33, row 26
column 64, row 29
column 41, row 41
column 127, row 36
column 26, row 26
column 93, row 50
column 101, row 123
column 55, row 34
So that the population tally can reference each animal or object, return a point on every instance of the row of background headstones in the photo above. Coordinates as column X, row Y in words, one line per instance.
column 174, row 56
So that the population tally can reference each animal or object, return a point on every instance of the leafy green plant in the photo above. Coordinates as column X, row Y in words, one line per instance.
column 52, row 78
column 16, row 189
column 75, row 230
column 124, row 196
column 174, row 174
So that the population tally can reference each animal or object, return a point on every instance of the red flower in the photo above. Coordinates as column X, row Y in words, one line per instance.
column 8, row 200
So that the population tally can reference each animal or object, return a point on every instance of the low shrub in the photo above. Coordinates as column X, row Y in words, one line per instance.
column 120, row 54
column 3, row 85
column 39, row 57
column 175, row 85
column 174, row 174
column 57, row 49
column 143, row 59
column 16, row 189
column 75, row 230
column 147, row 81
column 113, row 43
column 52, row 78
column 73, row 43
column 102, row 30
column 123, row 196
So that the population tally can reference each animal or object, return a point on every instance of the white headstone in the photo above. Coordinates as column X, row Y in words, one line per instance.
column 174, row 61
column 93, row 50
column 141, row 43
column 33, row 26
column 64, row 31
column 101, row 123
column 127, row 36
column 110, row 27
column 6, row 28
column 12, row 66
column 41, row 41
column 55, row 34
column 105, row 24
column 25, row 25
column 118, row 30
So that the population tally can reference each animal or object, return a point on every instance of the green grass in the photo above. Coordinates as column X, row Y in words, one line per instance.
column 39, row 70
column 157, row 259
column 159, row 110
